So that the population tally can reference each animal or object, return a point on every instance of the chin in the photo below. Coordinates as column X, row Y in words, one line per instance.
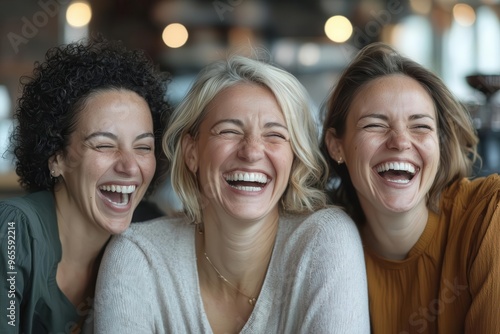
column 400, row 208
column 118, row 228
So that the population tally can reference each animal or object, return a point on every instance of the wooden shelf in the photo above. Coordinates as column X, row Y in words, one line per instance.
column 8, row 182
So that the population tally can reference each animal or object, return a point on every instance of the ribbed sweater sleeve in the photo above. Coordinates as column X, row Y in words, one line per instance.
column 124, row 291
column 334, row 276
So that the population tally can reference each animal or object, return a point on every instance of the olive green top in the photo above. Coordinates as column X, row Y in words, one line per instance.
column 30, row 250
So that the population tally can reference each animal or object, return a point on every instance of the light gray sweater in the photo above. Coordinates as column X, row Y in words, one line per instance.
column 316, row 281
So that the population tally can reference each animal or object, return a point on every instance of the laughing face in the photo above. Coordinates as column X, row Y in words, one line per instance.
column 242, row 154
column 109, row 161
column 390, row 145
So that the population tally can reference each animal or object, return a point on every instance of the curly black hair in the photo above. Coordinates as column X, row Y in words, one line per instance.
column 52, row 97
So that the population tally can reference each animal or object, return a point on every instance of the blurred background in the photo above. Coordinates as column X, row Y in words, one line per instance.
column 313, row 39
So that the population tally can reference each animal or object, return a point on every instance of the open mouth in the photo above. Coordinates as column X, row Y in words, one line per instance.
column 116, row 194
column 247, row 181
column 397, row 172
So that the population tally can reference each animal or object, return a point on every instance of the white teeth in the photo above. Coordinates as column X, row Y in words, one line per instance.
column 118, row 189
column 399, row 181
column 248, row 177
column 403, row 166
column 247, row 188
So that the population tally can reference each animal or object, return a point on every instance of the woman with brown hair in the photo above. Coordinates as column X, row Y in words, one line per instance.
column 401, row 148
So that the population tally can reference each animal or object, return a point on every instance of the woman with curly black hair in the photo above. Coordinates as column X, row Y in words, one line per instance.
column 87, row 142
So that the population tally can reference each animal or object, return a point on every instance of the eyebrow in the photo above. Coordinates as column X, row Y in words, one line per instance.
column 385, row 118
column 114, row 137
column 240, row 123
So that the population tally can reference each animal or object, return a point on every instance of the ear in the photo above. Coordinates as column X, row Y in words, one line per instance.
column 55, row 164
column 190, row 152
column 334, row 145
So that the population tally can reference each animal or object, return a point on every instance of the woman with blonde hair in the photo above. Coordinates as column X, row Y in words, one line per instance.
column 250, row 254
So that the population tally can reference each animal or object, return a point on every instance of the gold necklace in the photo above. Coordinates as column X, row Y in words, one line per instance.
column 251, row 300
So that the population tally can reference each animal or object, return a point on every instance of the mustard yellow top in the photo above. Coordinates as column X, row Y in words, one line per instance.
column 450, row 280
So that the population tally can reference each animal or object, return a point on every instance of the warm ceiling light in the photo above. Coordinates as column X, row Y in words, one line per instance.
column 338, row 28
column 175, row 35
column 464, row 14
column 422, row 7
column 78, row 14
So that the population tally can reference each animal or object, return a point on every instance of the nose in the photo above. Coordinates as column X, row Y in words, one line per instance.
column 399, row 140
column 251, row 149
column 126, row 163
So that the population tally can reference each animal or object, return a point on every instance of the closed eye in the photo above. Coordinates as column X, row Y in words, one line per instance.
column 144, row 148
column 276, row 135
column 229, row 132
column 374, row 125
column 104, row 147
column 423, row 126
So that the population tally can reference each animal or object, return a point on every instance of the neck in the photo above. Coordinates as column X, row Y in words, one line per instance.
column 393, row 236
column 240, row 255
column 81, row 240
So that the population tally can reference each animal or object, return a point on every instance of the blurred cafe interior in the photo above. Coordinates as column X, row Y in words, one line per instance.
column 459, row 40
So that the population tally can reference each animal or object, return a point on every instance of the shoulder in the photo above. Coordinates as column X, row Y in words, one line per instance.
column 153, row 234
column 472, row 209
column 327, row 225
column 468, row 191
column 156, row 227
column 331, row 218
column 468, row 199
column 40, row 204
column 24, row 220
column 331, row 215
column 33, row 213
column 12, row 209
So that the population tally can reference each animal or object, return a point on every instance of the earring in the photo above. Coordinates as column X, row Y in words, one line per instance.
column 339, row 161
column 200, row 227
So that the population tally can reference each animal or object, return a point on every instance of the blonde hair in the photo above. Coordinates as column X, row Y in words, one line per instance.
column 308, row 174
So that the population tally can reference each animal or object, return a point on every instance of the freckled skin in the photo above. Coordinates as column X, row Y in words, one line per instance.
column 392, row 119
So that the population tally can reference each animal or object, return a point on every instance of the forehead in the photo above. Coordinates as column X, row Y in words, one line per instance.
column 111, row 108
column 244, row 100
column 393, row 93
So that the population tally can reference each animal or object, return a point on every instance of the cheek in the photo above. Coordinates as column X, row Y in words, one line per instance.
column 148, row 167
column 429, row 148
column 361, row 146
column 285, row 157
column 75, row 159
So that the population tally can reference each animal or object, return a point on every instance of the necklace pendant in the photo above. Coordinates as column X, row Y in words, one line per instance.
column 252, row 301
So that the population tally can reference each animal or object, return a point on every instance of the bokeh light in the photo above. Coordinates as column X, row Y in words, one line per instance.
column 175, row 35
column 422, row 7
column 78, row 14
column 464, row 14
column 338, row 28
